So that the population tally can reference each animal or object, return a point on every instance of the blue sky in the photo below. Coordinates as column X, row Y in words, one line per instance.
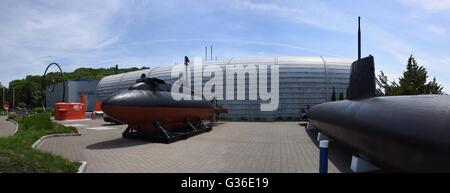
column 100, row 33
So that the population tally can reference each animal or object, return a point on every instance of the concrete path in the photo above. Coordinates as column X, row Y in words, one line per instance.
column 230, row 147
column 7, row 128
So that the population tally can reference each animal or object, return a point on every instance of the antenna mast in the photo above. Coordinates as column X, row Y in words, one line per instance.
column 359, row 38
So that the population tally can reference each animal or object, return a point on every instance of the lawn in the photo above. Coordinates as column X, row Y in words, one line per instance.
column 17, row 155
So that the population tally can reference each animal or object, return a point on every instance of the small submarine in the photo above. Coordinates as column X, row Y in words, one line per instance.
column 398, row 133
column 152, row 114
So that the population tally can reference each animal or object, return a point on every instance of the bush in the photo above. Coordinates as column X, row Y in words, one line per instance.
column 22, row 105
column 51, row 111
column 38, row 110
column 12, row 115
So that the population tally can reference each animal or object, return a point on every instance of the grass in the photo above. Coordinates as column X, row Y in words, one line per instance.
column 17, row 155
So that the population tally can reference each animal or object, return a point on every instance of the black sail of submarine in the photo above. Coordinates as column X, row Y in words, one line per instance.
column 406, row 133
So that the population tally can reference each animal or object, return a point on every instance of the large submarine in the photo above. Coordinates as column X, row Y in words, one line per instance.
column 152, row 114
column 402, row 133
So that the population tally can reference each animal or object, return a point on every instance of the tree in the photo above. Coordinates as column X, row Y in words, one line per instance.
column 341, row 96
column 333, row 95
column 22, row 105
column 414, row 79
column 384, row 88
column 413, row 82
column 433, row 87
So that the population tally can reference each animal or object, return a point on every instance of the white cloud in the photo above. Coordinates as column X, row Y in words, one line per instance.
column 228, row 41
column 431, row 5
column 34, row 33
column 320, row 15
column 436, row 30
column 309, row 12
column 380, row 40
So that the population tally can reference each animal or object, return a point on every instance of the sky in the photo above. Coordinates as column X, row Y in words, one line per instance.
column 138, row 33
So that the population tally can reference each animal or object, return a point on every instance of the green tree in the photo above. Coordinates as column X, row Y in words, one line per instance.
column 333, row 95
column 1, row 91
column 22, row 104
column 341, row 96
column 384, row 88
column 414, row 79
column 413, row 82
column 434, row 88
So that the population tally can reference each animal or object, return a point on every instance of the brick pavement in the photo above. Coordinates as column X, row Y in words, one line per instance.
column 229, row 147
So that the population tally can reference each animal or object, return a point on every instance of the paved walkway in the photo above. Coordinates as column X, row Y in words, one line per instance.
column 229, row 147
column 7, row 128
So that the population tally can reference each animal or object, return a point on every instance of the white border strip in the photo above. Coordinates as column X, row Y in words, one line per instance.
column 39, row 141
column 83, row 166
column 17, row 126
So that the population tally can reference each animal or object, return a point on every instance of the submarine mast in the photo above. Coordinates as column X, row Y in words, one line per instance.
column 359, row 38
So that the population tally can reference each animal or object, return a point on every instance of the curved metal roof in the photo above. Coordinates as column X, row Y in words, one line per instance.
column 309, row 80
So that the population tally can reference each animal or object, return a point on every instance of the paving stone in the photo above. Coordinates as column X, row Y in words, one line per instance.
column 279, row 147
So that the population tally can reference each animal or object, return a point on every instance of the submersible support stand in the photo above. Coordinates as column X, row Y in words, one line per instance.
column 163, row 135
column 166, row 133
column 360, row 165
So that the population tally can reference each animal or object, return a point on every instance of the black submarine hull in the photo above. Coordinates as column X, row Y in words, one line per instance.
column 141, row 109
column 408, row 133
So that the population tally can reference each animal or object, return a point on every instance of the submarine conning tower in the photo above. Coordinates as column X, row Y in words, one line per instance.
column 362, row 74
column 362, row 79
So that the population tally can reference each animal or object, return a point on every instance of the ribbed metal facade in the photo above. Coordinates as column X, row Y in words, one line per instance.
column 302, row 81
